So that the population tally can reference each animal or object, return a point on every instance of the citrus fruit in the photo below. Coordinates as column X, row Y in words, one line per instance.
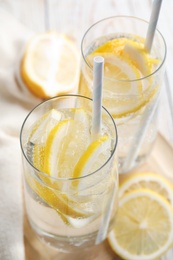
column 96, row 155
column 57, row 200
column 87, row 162
column 50, row 65
column 140, row 57
column 126, row 62
column 144, row 226
column 55, row 154
column 62, row 152
column 148, row 180
column 66, row 142
column 41, row 129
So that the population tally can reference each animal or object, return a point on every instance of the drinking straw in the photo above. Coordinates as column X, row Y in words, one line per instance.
column 140, row 134
column 102, row 233
column 96, row 127
column 149, row 111
column 152, row 24
column 97, row 96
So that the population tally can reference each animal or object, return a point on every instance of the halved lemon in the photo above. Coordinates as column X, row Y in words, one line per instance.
column 148, row 180
column 144, row 226
column 50, row 65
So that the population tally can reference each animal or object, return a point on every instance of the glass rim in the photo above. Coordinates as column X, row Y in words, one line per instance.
column 131, row 17
column 71, row 178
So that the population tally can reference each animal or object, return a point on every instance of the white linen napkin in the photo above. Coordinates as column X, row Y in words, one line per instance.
column 15, row 103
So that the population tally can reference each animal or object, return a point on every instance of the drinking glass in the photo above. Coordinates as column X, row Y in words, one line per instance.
column 76, row 210
column 132, row 100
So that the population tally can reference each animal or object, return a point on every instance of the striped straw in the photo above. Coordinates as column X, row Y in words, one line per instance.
column 97, row 96
column 152, row 24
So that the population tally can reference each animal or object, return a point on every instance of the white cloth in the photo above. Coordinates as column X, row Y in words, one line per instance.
column 15, row 103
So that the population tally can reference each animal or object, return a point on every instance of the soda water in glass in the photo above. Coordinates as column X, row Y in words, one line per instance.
column 132, row 82
column 70, row 180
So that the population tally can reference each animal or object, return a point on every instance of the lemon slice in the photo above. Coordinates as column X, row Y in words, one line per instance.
column 118, row 69
column 43, row 126
column 50, row 65
column 58, row 201
column 126, row 62
column 89, row 161
column 148, row 180
column 64, row 147
column 92, row 159
column 56, row 156
column 144, row 226
column 140, row 57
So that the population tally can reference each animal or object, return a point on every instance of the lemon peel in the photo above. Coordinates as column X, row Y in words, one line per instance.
column 86, row 161
column 50, row 65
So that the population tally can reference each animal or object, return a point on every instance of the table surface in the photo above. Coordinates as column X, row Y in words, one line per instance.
column 75, row 16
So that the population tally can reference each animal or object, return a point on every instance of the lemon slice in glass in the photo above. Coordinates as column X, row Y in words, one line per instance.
column 139, row 57
column 57, row 200
column 96, row 154
column 144, row 226
column 42, row 128
column 90, row 161
column 64, row 147
column 126, row 63
column 56, row 156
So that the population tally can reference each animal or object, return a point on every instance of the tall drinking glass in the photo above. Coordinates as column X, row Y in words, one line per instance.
column 132, row 81
column 70, row 180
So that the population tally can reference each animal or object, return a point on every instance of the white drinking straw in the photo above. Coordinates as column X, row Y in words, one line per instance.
column 152, row 24
column 150, row 109
column 102, row 233
column 97, row 96
column 96, row 127
column 140, row 134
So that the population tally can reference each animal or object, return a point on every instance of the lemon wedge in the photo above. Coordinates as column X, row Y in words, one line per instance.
column 147, row 180
column 50, row 65
column 144, row 226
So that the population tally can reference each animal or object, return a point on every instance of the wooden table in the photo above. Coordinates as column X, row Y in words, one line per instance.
column 74, row 17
